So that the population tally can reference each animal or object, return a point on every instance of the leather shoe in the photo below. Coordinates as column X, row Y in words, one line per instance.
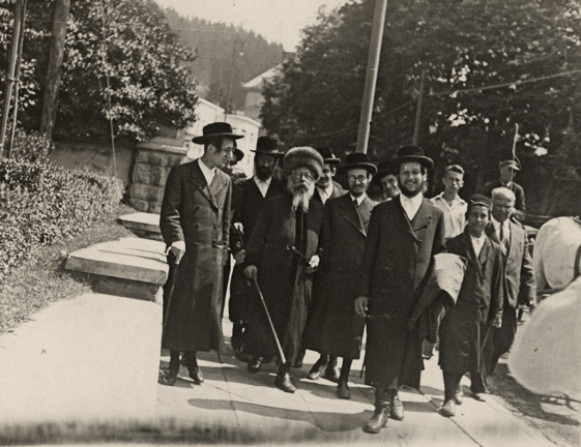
column 196, row 374
column 378, row 421
column 283, row 382
column 255, row 365
column 332, row 373
column 459, row 396
column 170, row 376
column 343, row 391
column 448, row 409
column 479, row 397
column 396, row 411
column 316, row 372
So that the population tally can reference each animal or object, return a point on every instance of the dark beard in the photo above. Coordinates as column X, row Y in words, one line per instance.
column 263, row 172
column 408, row 193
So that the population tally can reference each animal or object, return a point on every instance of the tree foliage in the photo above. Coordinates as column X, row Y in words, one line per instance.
column 216, row 45
column 127, row 41
column 489, row 64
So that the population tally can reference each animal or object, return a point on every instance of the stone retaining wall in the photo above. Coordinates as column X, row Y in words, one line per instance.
column 151, row 167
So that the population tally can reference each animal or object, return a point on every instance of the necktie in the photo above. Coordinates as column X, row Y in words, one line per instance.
column 501, row 236
column 355, row 203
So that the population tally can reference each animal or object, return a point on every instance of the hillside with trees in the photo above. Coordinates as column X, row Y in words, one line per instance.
column 227, row 56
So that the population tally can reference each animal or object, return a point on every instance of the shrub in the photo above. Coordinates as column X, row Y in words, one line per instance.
column 41, row 204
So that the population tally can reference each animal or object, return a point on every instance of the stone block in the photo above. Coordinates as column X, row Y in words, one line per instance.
column 147, row 222
column 158, row 158
column 138, row 204
column 127, row 288
column 149, row 193
column 150, row 174
column 134, row 259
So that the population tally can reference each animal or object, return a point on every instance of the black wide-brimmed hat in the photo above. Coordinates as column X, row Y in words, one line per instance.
column 267, row 145
column 216, row 130
column 386, row 167
column 413, row 154
column 237, row 152
column 358, row 160
column 328, row 156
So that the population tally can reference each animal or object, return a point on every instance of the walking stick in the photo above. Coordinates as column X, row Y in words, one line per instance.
column 281, row 355
column 169, row 297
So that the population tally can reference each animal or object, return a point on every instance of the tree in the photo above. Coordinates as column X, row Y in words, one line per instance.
column 126, row 44
column 529, row 49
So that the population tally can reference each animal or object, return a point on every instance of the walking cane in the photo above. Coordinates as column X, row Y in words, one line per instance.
column 281, row 355
column 169, row 297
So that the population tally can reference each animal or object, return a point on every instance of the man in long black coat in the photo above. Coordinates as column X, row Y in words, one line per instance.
column 195, row 224
column 248, row 200
column 338, row 328
column 403, row 236
column 282, row 254
column 479, row 307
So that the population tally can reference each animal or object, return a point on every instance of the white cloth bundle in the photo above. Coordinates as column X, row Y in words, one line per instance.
column 556, row 256
column 546, row 355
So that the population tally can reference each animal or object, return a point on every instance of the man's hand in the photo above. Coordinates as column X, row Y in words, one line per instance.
column 361, row 305
column 178, row 249
column 238, row 227
column 497, row 322
column 240, row 256
column 313, row 264
column 251, row 272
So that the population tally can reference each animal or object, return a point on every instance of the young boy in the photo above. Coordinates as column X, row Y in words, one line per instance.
column 479, row 307
column 450, row 202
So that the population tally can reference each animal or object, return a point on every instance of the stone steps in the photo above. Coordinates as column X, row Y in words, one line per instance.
column 142, row 224
column 131, row 267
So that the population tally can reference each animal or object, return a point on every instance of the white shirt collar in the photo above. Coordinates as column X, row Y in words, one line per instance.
column 496, row 224
column 206, row 171
column 359, row 199
column 411, row 205
column 457, row 201
column 478, row 243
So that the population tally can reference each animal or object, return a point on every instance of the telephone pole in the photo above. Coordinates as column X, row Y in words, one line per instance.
column 418, row 120
column 371, row 75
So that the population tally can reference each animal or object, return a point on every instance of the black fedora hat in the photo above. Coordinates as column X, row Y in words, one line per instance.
column 358, row 160
column 216, row 130
column 237, row 152
column 267, row 145
column 414, row 154
column 328, row 156
column 385, row 167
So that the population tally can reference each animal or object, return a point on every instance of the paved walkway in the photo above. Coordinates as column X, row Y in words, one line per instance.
column 233, row 398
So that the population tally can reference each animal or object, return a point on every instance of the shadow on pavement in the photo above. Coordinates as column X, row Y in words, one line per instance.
column 325, row 421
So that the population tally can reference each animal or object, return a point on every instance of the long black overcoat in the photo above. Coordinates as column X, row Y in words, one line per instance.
column 398, row 254
column 334, row 322
column 281, row 275
column 465, row 325
column 198, row 214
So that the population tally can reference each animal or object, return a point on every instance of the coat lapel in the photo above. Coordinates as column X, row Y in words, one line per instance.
column 350, row 214
column 472, row 254
column 423, row 217
column 401, row 220
column 199, row 182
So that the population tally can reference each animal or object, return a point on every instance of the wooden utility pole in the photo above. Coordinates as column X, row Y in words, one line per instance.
column 418, row 120
column 11, row 73
column 57, row 47
column 371, row 75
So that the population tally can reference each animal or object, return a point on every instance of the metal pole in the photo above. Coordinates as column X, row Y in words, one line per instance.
column 419, row 109
column 17, row 82
column 10, row 74
column 371, row 75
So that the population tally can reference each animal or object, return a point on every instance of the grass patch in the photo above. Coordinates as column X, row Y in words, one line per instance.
column 28, row 289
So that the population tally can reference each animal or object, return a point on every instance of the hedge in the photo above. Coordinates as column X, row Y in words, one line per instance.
column 41, row 204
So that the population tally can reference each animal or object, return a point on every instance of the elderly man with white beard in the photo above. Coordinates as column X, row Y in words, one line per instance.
column 282, row 255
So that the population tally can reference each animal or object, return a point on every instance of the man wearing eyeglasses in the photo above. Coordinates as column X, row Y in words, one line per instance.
column 282, row 255
column 195, row 224
column 327, row 188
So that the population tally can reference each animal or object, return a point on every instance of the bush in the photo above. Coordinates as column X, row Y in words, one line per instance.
column 41, row 204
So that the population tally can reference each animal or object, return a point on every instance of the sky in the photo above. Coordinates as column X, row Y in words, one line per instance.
column 278, row 21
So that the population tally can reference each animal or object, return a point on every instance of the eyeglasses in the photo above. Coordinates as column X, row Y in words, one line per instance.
column 228, row 150
column 357, row 178
column 303, row 175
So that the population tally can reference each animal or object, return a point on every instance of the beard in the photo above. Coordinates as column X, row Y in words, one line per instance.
column 301, row 195
column 263, row 172
column 421, row 188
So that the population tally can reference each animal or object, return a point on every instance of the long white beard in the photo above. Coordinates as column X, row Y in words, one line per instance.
column 301, row 196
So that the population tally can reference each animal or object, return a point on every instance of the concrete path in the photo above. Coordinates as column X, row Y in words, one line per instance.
column 233, row 398
column 91, row 358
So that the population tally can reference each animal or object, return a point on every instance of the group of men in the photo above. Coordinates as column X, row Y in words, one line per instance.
column 315, row 263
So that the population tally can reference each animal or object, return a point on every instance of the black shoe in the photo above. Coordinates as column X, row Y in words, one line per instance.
column 378, row 421
column 196, row 374
column 343, row 391
column 316, row 371
column 396, row 411
column 255, row 365
column 332, row 372
column 170, row 376
column 283, row 382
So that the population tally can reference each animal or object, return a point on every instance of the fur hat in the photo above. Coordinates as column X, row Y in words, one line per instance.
column 303, row 157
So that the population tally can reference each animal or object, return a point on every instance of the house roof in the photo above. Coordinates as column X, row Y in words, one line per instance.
column 258, row 81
